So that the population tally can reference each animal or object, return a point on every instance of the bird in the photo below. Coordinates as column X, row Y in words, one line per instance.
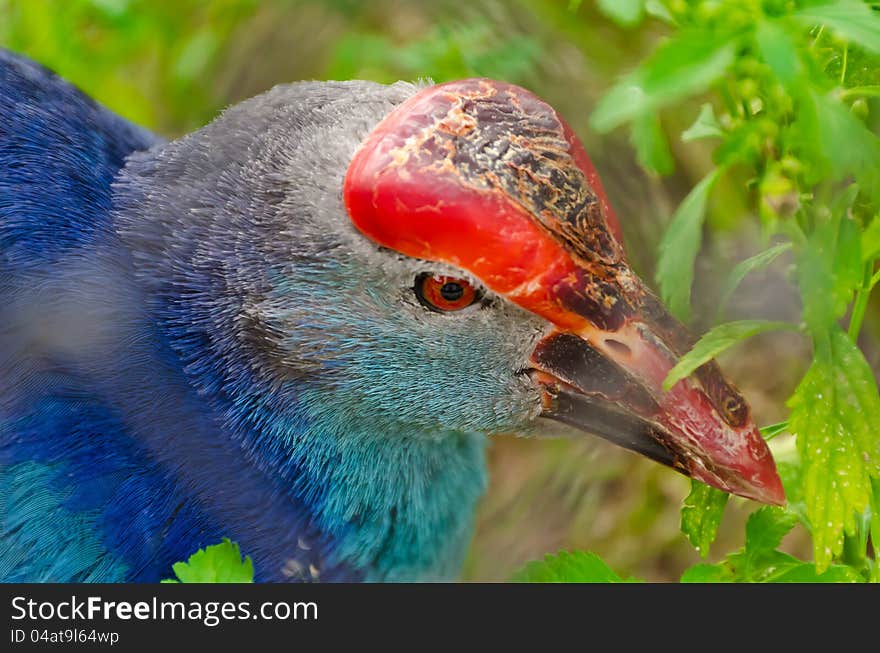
column 300, row 326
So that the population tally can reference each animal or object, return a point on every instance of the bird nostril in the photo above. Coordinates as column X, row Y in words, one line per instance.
column 618, row 347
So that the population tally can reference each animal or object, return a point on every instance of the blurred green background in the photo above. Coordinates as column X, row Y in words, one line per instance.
column 171, row 65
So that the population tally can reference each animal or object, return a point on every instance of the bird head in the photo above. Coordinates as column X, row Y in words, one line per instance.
column 487, row 178
column 418, row 262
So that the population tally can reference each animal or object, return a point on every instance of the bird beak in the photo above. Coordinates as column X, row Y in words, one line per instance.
column 486, row 176
column 609, row 383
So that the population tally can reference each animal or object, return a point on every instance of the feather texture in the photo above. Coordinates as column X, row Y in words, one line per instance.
column 200, row 345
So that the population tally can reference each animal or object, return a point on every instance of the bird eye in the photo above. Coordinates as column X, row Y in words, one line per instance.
column 445, row 294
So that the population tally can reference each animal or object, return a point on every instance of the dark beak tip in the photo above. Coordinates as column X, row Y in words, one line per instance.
column 764, row 476
column 773, row 496
column 760, row 482
column 774, row 493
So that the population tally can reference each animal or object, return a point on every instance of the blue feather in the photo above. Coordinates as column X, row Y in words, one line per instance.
column 45, row 541
column 137, row 425
column 59, row 153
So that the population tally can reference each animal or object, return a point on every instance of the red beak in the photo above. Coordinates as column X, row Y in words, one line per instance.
column 487, row 177
column 610, row 385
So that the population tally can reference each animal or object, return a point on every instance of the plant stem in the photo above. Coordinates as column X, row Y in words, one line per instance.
column 818, row 36
column 860, row 91
column 861, row 303
column 854, row 550
column 855, row 547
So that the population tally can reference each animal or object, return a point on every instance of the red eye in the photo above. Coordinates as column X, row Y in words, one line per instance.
column 441, row 293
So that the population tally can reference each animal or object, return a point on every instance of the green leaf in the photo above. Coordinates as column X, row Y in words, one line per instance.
column 218, row 563
column 623, row 12
column 792, row 474
column 658, row 10
column 652, row 149
column 196, row 54
column 679, row 248
column 701, row 514
column 760, row 562
column 847, row 266
column 791, row 471
column 765, row 529
column 834, row 413
column 772, row 430
column 742, row 144
column 764, row 565
column 779, row 567
column 680, row 67
column 705, row 126
column 743, row 268
column 797, row 571
column 569, row 567
column 838, row 143
column 853, row 19
column 829, row 271
column 871, row 240
column 778, row 50
column 875, row 520
column 704, row 573
column 717, row 340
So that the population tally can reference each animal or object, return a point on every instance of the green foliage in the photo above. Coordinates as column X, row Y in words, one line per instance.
column 829, row 271
column 772, row 430
column 790, row 88
column 705, row 126
column 836, row 142
column 447, row 52
column 171, row 66
column 679, row 248
column 759, row 561
column 835, row 412
column 218, row 563
column 778, row 50
column 701, row 514
column 716, row 341
column 651, row 146
column 623, row 12
column 852, row 19
column 749, row 265
column 148, row 61
column 871, row 241
column 569, row 567
column 679, row 68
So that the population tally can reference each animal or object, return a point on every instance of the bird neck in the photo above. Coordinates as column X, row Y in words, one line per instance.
column 392, row 503
column 396, row 504
column 381, row 500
